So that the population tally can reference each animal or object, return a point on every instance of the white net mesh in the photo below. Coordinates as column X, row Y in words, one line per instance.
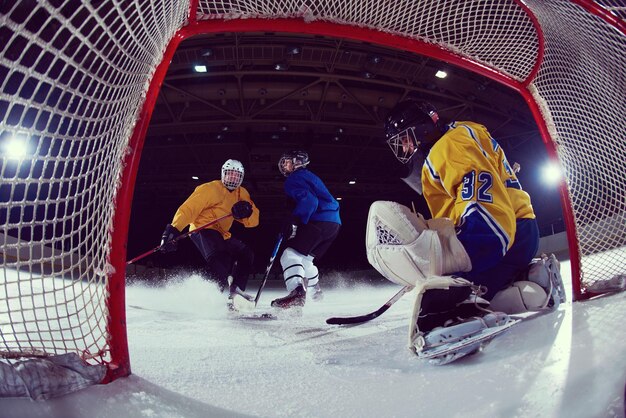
column 74, row 74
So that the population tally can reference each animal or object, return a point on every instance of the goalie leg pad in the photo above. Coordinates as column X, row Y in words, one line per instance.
column 445, row 293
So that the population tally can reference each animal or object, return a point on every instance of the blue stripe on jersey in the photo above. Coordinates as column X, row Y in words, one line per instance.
column 495, row 145
column 471, row 212
column 473, row 135
column 432, row 171
column 513, row 184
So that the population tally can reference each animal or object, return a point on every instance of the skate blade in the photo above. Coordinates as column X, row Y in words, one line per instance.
column 454, row 351
column 266, row 316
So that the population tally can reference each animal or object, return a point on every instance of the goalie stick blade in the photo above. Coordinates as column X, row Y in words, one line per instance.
column 452, row 352
column 356, row 319
column 368, row 317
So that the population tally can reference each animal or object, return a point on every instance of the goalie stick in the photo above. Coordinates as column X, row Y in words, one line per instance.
column 368, row 317
column 178, row 238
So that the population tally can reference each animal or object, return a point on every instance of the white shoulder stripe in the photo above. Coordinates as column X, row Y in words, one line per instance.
column 475, row 138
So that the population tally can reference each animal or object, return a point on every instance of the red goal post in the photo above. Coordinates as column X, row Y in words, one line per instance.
column 78, row 83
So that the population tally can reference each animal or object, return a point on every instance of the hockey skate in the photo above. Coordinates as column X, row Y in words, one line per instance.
column 446, row 344
column 296, row 298
column 316, row 292
column 238, row 300
column 450, row 321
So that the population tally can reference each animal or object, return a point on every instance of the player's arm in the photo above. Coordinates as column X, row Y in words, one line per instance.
column 202, row 197
column 252, row 220
column 300, row 192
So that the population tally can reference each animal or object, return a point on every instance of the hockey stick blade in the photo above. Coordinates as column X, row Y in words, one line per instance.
column 368, row 317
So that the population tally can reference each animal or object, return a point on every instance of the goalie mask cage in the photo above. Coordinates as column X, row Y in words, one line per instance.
column 78, row 82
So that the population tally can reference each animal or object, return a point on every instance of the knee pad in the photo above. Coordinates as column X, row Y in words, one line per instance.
column 292, row 263
column 311, row 273
column 522, row 296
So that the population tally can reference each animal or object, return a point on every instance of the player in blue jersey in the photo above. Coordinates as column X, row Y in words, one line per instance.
column 312, row 227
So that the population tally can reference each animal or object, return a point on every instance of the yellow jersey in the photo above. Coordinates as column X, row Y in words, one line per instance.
column 467, row 178
column 210, row 201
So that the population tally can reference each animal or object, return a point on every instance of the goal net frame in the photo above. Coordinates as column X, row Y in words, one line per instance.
column 93, row 260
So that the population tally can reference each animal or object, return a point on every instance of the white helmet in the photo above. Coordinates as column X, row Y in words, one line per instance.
column 232, row 174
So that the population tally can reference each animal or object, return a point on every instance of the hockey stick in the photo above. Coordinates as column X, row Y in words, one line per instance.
column 244, row 304
column 368, row 317
column 178, row 238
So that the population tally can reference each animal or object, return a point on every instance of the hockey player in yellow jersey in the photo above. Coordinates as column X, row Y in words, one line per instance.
column 480, row 239
column 227, row 258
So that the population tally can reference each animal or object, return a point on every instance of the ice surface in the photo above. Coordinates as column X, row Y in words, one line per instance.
column 189, row 359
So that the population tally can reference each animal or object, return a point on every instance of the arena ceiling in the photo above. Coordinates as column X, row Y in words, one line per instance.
column 264, row 93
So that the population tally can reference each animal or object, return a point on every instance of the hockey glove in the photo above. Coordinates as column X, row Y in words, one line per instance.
column 241, row 209
column 168, row 244
column 289, row 229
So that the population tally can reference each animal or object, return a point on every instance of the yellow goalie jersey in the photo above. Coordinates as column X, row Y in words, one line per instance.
column 467, row 178
column 210, row 201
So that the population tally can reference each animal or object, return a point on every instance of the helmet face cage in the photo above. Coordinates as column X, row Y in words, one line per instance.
column 299, row 159
column 411, row 127
column 232, row 174
column 404, row 144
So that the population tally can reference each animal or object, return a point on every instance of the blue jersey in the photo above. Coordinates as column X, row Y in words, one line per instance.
column 313, row 200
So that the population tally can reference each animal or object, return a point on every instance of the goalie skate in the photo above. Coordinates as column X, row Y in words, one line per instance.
column 447, row 344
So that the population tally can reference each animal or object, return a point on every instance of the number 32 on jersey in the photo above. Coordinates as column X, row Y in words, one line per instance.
column 481, row 188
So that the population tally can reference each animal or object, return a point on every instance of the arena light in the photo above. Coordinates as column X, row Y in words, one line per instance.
column 441, row 74
column 552, row 174
column 195, row 177
column 200, row 68
column 339, row 198
column 16, row 147
column 352, row 182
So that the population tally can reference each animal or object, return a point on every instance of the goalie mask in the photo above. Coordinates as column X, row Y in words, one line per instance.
column 412, row 127
column 232, row 174
column 292, row 161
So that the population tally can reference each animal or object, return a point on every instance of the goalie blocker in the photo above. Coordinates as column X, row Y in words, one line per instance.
column 449, row 319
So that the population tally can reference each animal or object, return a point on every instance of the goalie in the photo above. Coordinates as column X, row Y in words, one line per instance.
column 482, row 237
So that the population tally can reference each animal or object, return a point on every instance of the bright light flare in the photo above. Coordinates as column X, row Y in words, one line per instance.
column 16, row 148
column 552, row 174
column 441, row 74
column 200, row 68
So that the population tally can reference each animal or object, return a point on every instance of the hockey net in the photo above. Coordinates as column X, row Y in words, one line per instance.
column 76, row 77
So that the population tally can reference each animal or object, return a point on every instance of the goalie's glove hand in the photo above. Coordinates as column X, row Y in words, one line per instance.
column 290, row 228
column 241, row 209
column 168, row 244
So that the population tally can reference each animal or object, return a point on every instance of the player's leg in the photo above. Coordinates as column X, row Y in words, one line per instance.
column 212, row 246
column 243, row 257
column 328, row 233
